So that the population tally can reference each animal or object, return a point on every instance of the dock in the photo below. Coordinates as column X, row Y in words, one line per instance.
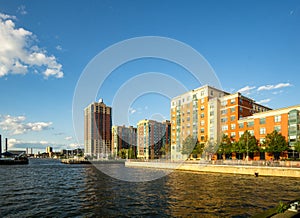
column 75, row 161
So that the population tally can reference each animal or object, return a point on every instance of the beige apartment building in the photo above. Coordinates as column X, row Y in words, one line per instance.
column 151, row 137
column 123, row 138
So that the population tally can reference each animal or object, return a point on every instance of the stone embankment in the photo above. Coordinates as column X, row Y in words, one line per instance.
column 206, row 167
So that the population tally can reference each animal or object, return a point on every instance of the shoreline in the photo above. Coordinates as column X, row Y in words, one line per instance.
column 228, row 169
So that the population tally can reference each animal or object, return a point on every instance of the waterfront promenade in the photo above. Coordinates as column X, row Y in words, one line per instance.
column 283, row 169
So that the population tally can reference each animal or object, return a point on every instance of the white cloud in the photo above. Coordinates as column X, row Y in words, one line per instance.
column 58, row 47
column 132, row 110
column 22, row 10
column 246, row 89
column 270, row 87
column 17, row 125
column 18, row 53
column 264, row 101
column 277, row 92
column 74, row 146
column 6, row 16
column 68, row 138
column 43, row 142
column 40, row 145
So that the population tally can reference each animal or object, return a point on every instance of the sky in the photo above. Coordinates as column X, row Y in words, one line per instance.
column 46, row 46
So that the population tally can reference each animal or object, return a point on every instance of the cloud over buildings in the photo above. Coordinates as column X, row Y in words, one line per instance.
column 271, row 87
column 17, row 125
column 246, row 89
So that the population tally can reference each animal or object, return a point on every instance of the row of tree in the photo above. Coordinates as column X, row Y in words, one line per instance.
column 274, row 143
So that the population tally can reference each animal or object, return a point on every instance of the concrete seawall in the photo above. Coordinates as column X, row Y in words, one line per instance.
column 237, row 169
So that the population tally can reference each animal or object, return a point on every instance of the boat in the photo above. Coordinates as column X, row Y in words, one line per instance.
column 12, row 158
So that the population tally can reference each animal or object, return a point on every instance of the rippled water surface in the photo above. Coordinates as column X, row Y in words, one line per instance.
column 47, row 188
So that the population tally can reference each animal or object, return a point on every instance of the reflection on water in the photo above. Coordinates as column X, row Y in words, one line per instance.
column 48, row 188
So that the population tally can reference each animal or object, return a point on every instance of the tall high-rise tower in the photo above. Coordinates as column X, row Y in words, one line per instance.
column 97, row 130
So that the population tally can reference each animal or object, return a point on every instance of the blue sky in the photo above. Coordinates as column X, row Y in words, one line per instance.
column 253, row 47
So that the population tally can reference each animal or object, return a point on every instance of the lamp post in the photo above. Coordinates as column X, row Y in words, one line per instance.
column 247, row 158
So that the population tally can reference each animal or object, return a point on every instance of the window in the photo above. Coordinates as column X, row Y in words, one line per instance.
column 182, row 100
column 202, row 93
column 262, row 131
column 202, row 107
column 224, row 111
column 241, row 133
column 241, row 125
column 202, row 100
column 241, row 109
column 202, row 123
column 232, row 101
column 261, row 140
column 202, row 138
column 277, row 118
column 224, row 103
column 224, row 120
column 251, row 132
column 188, row 119
column 188, row 98
column 224, row 127
column 211, row 113
column 202, row 115
column 232, row 118
column 262, row 120
column 232, row 109
column 277, row 128
column 173, row 103
column 232, row 134
column 211, row 92
column 202, row 130
column 232, row 126
column 250, row 124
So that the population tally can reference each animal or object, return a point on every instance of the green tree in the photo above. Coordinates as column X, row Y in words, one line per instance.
column 131, row 153
column 188, row 145
column 123, row 153
column 164, row 151
column 210, row 149
column 198, row 149
column 247, row 144
column 225, row 146
column 275, row 143
column 297, row 147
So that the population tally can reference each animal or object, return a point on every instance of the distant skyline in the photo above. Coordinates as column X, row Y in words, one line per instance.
column 253, row 47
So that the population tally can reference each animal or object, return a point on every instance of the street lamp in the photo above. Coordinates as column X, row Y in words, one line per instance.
column 247, row 158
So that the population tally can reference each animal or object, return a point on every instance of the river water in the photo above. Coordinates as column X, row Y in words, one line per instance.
column 47, row 188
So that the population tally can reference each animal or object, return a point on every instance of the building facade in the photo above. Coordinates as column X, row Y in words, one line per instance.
column 97, row 130
column 284, row 120
column 151, row 137
column 207, row 113
column 124, row 138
